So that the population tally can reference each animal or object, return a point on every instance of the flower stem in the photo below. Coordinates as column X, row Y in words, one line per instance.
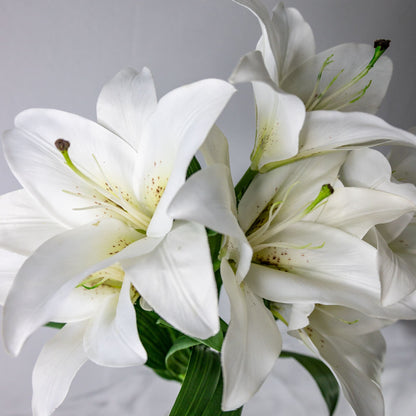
column 244, row 183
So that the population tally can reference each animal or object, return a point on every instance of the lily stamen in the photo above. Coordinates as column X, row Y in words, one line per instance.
column 112, row 196
column 321, row 103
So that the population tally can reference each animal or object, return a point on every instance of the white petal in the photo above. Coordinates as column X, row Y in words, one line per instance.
column 50, row 274
column 358, row 362
column 297, row 184
column 287, row 40
column 356, row 210
column 111, row 337
column 318, row 264
column 280, row 118
column 250, row 68
column 215, row 148
column 296, row 40
column 126, row 102
column 296, row 314
column 41, row 169
column 82, row 303
column 251, row 345
column 352, row 59
column 177, row 280
column 397, row 266
column 171, row 137
column 370, row 169
column 24, row 225
column 331, row 130
column 10, row 264
column 55, row 368
column 269, row 43
column 208, row 198
column 403, row 163
column 345, row 322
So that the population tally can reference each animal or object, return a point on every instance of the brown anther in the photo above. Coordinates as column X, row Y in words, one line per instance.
column 383, row 44
column 330, row 188
column 62, row 145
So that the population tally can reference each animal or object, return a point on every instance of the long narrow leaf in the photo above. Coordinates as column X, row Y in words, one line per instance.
column 201, row 380
column 322, row 375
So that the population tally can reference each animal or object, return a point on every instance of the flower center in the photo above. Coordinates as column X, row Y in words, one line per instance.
column 263, row 234
column 104, row 195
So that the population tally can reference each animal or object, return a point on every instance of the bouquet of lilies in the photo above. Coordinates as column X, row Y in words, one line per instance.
column 127, row 229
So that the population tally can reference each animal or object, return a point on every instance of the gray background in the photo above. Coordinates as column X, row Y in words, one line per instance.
column 58, row 54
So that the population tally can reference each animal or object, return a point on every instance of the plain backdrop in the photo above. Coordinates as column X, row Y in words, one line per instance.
column 59, row 53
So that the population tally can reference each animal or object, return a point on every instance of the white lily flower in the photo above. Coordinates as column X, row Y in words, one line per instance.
column 351, row 344
column 93, row 224
column 348, row 77
column 303, row 253
column 285, row 68
column 395, row 241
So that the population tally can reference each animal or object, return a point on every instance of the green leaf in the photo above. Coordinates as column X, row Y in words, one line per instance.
column 201, row 391
column 322, row 375
column 214, row 342
column 244, row 183
column 213, row 409
column 177, row 358
column 193, row 167
column 157, row 340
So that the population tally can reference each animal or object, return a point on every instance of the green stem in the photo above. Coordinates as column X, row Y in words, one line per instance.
column 244, row 183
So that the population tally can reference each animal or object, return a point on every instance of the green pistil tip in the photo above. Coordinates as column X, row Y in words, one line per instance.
column 324, row 193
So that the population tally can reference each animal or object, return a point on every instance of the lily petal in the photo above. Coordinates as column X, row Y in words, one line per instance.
column 55, row 368
column 40, row 167
column 171, row 137
column 50, row 274
column 178, row 282
column 10, row 264
column 82, row 304
column 356, row 210
column 319, row 264
column 269, row 43
column 215, row 148
column 296, row 40
column 397, row 266
column 111, row 338
column 250, row 68
column 208, row 198
column 24, row 225
column 369, row 168
column 358, row 362
column 280, row 117
column 331, row 130
column 126, row 102
column 251, row 345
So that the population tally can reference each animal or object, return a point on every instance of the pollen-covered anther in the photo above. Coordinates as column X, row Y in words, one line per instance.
column 383, row 44
column 62, row 145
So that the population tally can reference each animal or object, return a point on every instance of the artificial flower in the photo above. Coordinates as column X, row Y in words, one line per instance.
column 351, row 344
column 348, row 77
column 395, row 241
column 286, row 128
column 93, row 226
column 307, row 248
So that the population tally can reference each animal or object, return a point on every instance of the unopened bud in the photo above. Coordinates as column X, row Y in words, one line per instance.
column 62, row 145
